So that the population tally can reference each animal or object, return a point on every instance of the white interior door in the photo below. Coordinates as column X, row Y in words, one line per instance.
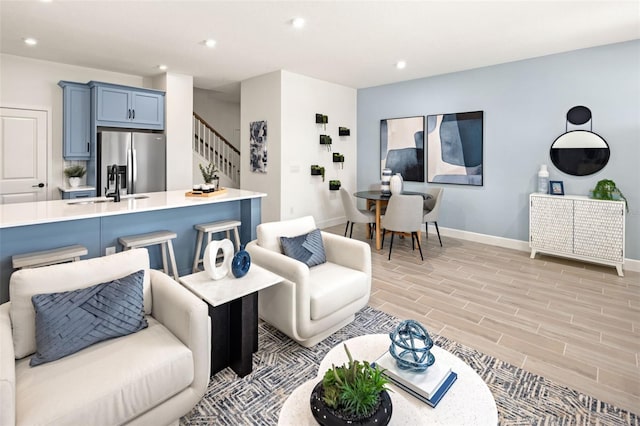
column 23, row 155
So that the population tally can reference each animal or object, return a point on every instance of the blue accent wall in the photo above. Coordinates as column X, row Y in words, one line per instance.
column 525, row 105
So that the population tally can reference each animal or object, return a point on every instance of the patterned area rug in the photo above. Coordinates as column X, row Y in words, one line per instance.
column 281, row 365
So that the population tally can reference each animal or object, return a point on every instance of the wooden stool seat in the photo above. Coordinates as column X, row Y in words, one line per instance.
column 152, row 238
column 211, row 228
column 48, row 257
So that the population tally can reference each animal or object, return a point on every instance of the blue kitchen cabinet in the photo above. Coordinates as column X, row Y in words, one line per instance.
column 76, row 134
column 127, row 107
column 73, row 193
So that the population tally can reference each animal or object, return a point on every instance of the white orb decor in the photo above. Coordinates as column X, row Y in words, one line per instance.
column 210, row 255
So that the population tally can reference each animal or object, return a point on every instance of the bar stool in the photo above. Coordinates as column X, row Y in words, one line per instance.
column 48, row 257
column 160, row 237
column 212, row 228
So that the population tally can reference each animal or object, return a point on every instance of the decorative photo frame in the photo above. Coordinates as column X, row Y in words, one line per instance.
column 455, row 148
column 556, row 187
column 402, row 147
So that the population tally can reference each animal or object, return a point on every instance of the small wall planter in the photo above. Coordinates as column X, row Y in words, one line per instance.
column 344, row 131
column 326, row 140
column 334, row 185
column 322, row 119
column 338, row 158
column 317, row 170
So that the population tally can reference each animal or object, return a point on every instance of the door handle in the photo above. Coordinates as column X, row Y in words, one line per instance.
column 129, row 116
column 133, row 114
column 40, row 185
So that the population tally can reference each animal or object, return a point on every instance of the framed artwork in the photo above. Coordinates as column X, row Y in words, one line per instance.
column 454, row 148
column 402, row 147
column 556, row 187
column 258, row 146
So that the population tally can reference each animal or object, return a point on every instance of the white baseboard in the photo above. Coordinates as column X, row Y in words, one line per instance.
column 629, row 264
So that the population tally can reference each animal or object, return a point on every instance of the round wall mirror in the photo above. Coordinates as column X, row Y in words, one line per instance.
column 579, row 152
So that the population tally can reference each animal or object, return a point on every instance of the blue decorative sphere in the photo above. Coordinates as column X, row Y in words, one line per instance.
column 240, row 263
column 411, row 346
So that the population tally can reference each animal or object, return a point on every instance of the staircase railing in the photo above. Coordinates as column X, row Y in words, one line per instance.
column 213, row 147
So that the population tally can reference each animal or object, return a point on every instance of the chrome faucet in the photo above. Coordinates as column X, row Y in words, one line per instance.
column 113, row 174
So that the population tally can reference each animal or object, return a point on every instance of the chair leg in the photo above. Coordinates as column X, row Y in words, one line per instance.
column 415, row 234
column 351, row 232
column 426, row 230
column 438, row 231
column 391, row 245
column 346, row 229
column 384, row 231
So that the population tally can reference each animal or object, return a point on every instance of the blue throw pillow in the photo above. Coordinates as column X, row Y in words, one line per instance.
column 72, row 320
column 306, row 248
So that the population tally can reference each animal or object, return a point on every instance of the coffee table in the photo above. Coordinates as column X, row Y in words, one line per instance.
column 468, row 402
column 233, row 309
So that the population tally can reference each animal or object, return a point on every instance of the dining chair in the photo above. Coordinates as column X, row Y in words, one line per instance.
column 432, row 210
column 404, row 214
column 355, row 215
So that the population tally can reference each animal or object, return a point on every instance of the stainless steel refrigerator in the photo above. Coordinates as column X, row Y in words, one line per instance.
column 140, row 159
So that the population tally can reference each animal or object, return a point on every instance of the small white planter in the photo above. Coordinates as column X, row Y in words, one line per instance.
column 74, row 182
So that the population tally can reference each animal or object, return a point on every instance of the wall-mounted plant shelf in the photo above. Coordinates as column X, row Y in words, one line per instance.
column 317, row 170
column 338, row 158
column 326, row 140
column 334, row 185
column 321, row 119
column 344, row 131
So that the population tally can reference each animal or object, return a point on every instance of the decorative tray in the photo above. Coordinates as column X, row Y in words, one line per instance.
column 199, row 194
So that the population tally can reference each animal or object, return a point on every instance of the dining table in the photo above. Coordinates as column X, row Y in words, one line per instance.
column 380, row 199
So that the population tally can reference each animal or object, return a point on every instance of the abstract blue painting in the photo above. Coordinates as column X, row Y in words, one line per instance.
column 402, row 147
column 454, row 148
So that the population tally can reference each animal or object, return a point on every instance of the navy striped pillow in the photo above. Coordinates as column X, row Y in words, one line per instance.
column 307, row 248
column 72, row 320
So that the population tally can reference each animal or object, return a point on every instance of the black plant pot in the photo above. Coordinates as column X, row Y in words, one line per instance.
column 325, row 416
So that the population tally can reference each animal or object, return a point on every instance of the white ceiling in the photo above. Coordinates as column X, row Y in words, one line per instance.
column 353, row 43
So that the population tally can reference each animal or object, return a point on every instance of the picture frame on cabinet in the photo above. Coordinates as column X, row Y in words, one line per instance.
column 556, row 187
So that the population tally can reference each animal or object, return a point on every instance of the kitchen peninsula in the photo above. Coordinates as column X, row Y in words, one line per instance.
column 29, row 227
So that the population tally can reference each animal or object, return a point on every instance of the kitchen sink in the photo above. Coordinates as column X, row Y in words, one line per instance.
column 105, row 200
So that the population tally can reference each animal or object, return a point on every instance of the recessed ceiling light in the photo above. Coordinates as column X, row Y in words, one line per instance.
column 162, row 67
column 401, row 65
column 210, row 43
column 30, row 41
column 297, row 22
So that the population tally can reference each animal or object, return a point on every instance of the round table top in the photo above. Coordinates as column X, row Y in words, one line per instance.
column 378, row 195
column 468, row 402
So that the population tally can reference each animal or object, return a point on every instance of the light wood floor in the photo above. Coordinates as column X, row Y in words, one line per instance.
column 575, row 323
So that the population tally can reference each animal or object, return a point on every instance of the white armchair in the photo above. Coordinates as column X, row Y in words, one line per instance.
column 150, row 377
column 311, row 303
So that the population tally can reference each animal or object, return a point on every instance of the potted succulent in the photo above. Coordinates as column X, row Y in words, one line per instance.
column 606, row 189
column 354, row 393
column 210, row 174
column 74, row 174
column 317, row 170
column 334, row 185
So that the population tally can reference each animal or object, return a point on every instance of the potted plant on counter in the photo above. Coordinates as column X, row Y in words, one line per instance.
column 355, row 393
column 606, row 189
column 74, row 174
column 210, row 175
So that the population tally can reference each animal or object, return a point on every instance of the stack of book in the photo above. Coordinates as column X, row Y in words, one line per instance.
column 428, row 386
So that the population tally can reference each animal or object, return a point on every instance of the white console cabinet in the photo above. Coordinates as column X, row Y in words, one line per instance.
column 577, row 227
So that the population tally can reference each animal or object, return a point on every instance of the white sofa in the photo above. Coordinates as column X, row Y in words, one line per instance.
column 151, row 377
column 311, row 303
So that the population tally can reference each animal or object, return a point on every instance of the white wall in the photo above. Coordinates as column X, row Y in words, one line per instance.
column 33, row 84
column 303, row 194
column 289, row 103
column 222, row 115
column 179, row 128
column 260, row 100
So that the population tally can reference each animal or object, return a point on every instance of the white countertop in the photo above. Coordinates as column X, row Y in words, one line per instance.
column 218, row 292
column 76, row 188
column 21, row 214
